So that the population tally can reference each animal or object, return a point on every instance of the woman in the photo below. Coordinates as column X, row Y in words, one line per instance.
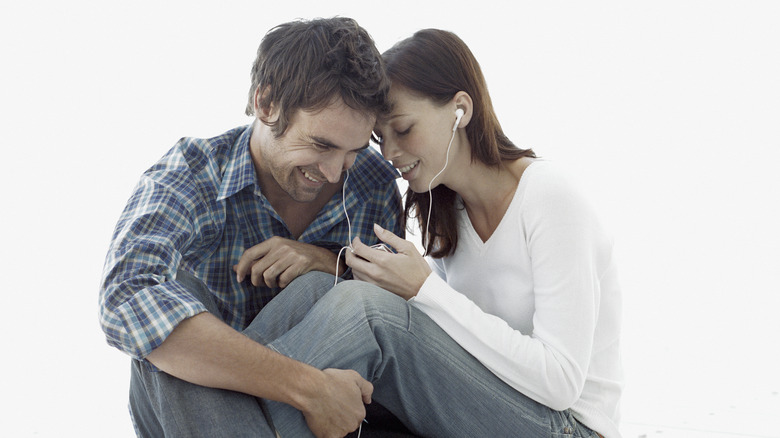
column 520, row 272
column 513, row 328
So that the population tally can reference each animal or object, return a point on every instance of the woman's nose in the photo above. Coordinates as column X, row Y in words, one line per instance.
column 389, row 150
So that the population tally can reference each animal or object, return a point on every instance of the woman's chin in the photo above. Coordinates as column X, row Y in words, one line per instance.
column 419, row 188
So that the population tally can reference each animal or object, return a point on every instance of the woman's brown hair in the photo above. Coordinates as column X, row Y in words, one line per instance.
column 438, row 64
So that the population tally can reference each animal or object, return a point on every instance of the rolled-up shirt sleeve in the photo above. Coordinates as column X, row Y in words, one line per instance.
column 139, row 305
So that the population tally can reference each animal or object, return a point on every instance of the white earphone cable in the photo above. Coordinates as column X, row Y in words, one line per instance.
column 430, row 194
column 459, row 114
column 349, row 226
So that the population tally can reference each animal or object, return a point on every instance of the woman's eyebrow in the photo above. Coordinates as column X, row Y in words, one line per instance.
column 395, row 116
column 391, row 117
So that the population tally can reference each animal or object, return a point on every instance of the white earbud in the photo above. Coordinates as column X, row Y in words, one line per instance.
column 458, row 116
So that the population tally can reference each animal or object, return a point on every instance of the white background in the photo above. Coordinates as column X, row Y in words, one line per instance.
column 667, row 111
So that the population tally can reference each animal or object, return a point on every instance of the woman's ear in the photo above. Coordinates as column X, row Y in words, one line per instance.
column 463, row 101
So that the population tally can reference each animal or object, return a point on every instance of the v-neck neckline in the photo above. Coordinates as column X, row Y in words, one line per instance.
column 482, row 245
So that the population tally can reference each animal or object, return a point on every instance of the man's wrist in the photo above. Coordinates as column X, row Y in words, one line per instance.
column 330, row 262
column 305, row 389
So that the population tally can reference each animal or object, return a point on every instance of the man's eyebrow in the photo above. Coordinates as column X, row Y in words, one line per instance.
column 330, row 144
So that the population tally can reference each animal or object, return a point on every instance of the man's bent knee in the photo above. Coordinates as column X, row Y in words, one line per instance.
column 199, row 290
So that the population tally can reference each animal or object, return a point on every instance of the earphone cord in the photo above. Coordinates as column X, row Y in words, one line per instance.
column 349, row 226
column 344, row 205
column 430, row 194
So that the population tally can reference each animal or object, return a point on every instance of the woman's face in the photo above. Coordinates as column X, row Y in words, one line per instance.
column 414, row 137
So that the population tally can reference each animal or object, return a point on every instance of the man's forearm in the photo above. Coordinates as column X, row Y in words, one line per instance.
column 205, row 351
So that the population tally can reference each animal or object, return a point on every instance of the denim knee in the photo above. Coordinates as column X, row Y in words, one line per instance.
column 198, row 288
column 361, row 299
column 314, row 281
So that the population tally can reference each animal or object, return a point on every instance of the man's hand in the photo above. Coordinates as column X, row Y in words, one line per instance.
column 278, row 261
column 338, row 406
column 206, row 351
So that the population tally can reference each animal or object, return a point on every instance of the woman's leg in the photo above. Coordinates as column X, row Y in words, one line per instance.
column 419, row 373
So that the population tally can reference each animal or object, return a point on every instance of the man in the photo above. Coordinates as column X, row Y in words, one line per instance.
column 179, row 284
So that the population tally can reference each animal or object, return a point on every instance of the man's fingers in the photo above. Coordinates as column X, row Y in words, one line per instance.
column 341, row 409
column 248, row 258
column 259, row 271
column 276, row 273
column 277, row 262
column 270, row 276
column 366, row 390
column 285, row 278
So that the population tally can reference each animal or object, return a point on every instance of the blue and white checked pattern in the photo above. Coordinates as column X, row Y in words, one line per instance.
column 198, row 209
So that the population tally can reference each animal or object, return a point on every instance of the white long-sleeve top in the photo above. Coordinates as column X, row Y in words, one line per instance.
column 539, row 302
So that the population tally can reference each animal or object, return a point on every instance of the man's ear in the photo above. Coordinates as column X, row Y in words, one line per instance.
column 266, row 114
column 463, row 101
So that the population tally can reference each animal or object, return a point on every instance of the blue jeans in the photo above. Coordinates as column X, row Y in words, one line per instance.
column 163, row 405
column 419, row 373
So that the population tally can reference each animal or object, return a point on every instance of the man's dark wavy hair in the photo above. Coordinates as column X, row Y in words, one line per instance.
column 306, row 64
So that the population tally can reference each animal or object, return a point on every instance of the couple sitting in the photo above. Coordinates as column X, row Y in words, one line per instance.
column 219, row 281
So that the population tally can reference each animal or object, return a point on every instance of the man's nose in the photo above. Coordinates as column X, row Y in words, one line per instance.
column 332, row 167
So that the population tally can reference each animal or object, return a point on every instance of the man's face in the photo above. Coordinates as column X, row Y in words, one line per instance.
column 314, row 150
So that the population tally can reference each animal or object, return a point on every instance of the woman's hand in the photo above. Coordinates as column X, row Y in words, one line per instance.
column 402, row 274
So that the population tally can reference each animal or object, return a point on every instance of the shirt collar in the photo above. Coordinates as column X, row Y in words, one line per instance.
column 239, row 171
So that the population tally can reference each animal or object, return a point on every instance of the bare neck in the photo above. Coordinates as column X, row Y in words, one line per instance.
column 487, row 193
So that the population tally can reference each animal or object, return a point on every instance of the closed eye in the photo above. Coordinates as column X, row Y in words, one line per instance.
column 402, row 133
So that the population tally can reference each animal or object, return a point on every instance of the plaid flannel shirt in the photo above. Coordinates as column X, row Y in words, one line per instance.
column 198, row 209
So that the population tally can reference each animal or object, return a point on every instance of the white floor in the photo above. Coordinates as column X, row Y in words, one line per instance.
column 753, row 416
